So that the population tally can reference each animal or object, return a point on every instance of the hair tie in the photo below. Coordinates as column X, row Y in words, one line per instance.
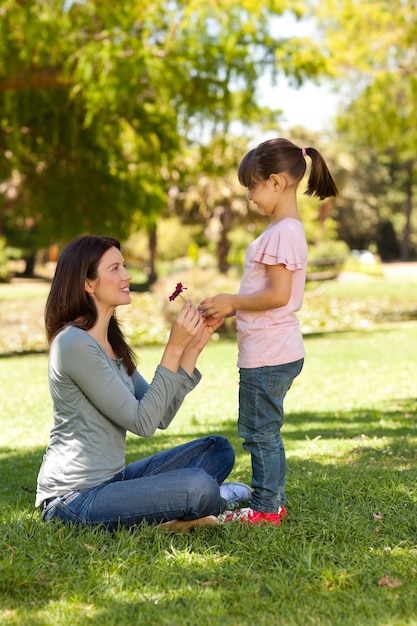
column 303, row 151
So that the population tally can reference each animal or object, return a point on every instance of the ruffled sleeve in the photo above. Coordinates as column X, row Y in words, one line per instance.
column 282, row 244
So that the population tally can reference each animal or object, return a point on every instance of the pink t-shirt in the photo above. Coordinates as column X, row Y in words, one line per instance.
column 273, row 337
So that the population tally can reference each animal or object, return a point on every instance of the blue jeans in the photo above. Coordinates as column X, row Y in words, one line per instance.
column 261, row 415
column 182, row 482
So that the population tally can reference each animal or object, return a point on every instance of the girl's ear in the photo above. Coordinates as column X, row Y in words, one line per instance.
column 279, row 181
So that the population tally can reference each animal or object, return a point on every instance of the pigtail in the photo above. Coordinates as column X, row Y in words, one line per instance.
column 320, row 182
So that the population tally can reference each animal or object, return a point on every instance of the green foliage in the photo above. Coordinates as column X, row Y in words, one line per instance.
column 98, row 100
column 329, row 249
column 372, row 49
column 174, row 238
column 240, row 238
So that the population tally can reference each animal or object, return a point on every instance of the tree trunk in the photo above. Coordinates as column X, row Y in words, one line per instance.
column 152, row 243
column 223, row 245
column 405, row 242
column 29, row 270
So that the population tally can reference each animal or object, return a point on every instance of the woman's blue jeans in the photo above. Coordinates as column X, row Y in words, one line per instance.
column 261, row 415
column 182, row 482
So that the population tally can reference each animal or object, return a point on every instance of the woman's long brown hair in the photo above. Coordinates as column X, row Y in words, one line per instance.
column 68, row 302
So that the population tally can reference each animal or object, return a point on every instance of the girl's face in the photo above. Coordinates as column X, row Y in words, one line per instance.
column 263, row 195
column 111, row 287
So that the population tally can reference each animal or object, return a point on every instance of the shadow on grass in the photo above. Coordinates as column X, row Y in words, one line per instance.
column 387, row 433
column 22, row 353
column 364, row 497
column 398, row 420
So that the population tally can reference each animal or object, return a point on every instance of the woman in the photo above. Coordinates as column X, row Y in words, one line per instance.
column 98, row 395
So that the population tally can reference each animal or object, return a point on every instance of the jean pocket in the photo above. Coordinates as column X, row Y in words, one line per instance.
column 65, row 508
column 281, row 378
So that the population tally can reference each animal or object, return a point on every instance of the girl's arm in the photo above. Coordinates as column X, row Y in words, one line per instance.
column 277, row 294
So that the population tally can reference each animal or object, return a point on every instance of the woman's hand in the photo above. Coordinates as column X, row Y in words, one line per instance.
column 198, row 343
column 187, row 327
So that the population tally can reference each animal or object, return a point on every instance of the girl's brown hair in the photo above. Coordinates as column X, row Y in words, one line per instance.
column 68, row 302
column 279, row 155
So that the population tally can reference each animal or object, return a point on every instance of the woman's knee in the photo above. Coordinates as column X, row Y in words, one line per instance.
column 224, row 447
column 203, row 494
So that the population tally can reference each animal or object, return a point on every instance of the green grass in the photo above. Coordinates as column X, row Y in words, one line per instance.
column 351, row 438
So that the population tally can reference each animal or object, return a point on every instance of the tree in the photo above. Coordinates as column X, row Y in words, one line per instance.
column 372, row 47
column 370, row 198
column 98, row 99
column 205, row 191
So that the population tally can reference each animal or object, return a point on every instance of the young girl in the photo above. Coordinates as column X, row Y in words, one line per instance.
column 271, row 351
column 98, row 395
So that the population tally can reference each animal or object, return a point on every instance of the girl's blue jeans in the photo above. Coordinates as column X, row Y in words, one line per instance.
column 261, row 415
column 182, row 482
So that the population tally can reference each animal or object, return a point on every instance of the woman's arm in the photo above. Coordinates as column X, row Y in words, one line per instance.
column 78, row 360
column 188, row 384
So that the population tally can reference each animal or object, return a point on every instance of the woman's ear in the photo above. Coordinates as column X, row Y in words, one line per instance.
column 89, row 286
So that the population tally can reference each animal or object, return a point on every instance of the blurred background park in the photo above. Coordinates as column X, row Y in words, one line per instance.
column 130, row 119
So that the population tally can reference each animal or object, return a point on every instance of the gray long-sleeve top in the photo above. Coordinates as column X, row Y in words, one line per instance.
column 95, row 402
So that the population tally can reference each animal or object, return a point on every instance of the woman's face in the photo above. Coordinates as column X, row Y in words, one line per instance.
column 111, row 287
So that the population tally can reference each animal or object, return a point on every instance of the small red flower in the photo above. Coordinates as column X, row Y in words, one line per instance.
column 178, row 291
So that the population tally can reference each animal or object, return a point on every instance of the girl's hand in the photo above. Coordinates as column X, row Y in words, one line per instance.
column 221, row 306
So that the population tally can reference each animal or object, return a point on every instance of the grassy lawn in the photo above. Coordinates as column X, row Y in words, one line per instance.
column 347, row 555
